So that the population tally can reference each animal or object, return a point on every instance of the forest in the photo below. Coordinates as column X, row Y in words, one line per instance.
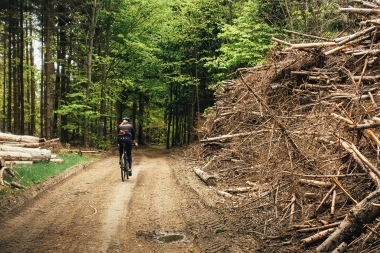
column 71, row 69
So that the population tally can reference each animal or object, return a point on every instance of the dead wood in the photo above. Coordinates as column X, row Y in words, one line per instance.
column 364, row 212
column 310, row 115
column 19, row 138
column 312, row 45
column 307, row 35
column 358, row 34
column 364, row 126
column 366, row 3
column 224, row 194
column 17, row 185
column 312, row 229
column 37, row 154
column 238, row 190
column 325, row 198
column 340, row 186
column 315, row 182
column 228, row 136
column 341, row 248
column 2, row 162
column 362, row 11
column 317, row 237
column 210, row 180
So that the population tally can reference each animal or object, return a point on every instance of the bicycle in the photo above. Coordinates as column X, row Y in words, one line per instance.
column 126, row 172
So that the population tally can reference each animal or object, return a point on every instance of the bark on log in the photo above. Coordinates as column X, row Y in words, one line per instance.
column 364, row 126
column 2, row 175
column 16, row 156
column 208, row 179
column 364, row 212
column 362, row 11
column 56, row 160
column 2, row 162
column 315, row 182
column 18, row 162
column 317, row 237
column 356, row 35
column 341, row 248
column 37, row 153
column 306, row 230
column 22, row 144
column 366, row 78
column 281, row 41
column 366, row 3
column 313, row 45
column 17, row 185
column 19, row 138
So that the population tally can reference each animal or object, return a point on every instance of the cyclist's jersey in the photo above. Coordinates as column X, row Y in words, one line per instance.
column 126, row 130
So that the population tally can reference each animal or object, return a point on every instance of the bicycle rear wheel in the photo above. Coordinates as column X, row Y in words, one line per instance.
column 126, row 165
column 122, row 168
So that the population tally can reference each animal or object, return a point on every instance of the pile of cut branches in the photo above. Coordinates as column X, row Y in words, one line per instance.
column 294, row 145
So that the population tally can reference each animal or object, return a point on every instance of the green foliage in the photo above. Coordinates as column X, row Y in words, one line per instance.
column 245, row 42
column 158, row 61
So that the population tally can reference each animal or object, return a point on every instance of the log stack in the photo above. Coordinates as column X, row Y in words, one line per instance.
column 21, row 148
column 305, row 128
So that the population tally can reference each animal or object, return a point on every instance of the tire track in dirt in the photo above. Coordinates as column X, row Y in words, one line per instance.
column 94, row 211
column 67, row 217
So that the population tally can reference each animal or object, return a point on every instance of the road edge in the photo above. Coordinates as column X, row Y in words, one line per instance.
column 14, row 203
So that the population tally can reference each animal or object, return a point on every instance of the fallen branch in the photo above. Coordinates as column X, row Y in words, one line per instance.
column 229, row 136
column 339, row 185
column 315, row 182
column 306, row 230
column 317, row 237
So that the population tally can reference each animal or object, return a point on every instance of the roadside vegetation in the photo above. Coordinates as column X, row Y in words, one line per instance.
column 33, row 174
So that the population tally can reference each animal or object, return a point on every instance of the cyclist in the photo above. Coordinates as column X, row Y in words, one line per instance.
column 126, row 134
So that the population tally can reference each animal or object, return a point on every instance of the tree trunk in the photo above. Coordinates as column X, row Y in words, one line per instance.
column 105, row 52
column 141, row 117
column 91, row 37
column 48, row 70
column 9, row 96
column 21, row 70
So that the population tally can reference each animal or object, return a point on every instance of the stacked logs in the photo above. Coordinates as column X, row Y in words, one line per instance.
column 301, row 135
column 24, row 148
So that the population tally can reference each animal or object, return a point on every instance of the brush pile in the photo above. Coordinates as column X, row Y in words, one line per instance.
column 295, row 146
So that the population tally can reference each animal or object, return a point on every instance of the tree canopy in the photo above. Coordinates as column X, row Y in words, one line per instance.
column 72, row 69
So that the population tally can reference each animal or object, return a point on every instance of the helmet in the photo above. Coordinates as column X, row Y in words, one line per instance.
column 126, row 118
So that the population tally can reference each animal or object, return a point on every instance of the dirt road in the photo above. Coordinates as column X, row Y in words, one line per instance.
column 163, row 207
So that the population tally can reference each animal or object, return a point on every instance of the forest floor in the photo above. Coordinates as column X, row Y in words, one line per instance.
column 163, row 207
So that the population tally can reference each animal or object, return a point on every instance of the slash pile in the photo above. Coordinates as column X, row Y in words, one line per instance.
column 295, row 144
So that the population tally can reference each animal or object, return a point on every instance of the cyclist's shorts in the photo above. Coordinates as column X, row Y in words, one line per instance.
column 123, row 139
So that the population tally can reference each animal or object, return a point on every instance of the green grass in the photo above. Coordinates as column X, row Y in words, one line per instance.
column 29, row 175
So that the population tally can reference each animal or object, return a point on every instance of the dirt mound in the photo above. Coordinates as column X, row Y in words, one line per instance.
column 295, row 143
